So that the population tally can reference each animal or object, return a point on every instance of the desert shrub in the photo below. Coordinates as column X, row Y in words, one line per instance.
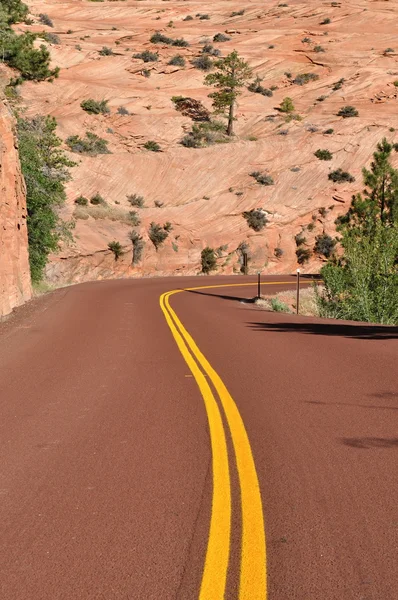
column 105, row 51
column 203, row 17
column 303, row 255
column 325, row 21
column 91, row 144
column 168, row 227
column 299, row 239
column 134, row 218
column 159, row 38
column 262, row 178
column 180, row 43
column 396, row 83
column 81, row 201
column 51, row 38
column 45, row 19
column 147, row 56
column 221, row 37
column 116, row 248
column 188, row 18
column 135, row 200
column 238, row 13
column 347, row 111
column 279, row 306
column 306, row 40
column 177, row 61
column 205, row 134
column 278, row 252
column 388, row 50
column 256, row 218
column 45, row 170
column 319, row 49
column 122, row 111
column 208, row 260
column 328, row 131
column 321, row 98
column 94, row 107
column 338, row 84
column 322, row 211
column 324, row 245
column 257, row 88
column 286, row 106
column 323, row 154
column 152, row 146
column 209, row 49
column 202, row 62
column 157, row 234
column 304, row 78
column 97, row 199
column 138, row 246
column 340, row 176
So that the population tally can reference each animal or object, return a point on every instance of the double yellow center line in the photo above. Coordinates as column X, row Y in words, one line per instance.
column 252, row 582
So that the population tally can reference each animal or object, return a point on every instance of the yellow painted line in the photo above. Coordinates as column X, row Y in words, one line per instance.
column 217, row 554
column 253, row 575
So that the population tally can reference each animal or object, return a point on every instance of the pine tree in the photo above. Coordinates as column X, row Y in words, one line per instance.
column 232, row 74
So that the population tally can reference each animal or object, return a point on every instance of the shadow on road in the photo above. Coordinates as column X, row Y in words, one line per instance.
column 366, row 443
column 352, row 404
column 364, row 332
column 223, row 296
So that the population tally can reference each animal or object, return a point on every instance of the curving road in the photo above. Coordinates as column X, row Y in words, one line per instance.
column 149, row 439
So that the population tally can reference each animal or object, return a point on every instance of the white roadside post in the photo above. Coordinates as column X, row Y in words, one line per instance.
column 298, row 291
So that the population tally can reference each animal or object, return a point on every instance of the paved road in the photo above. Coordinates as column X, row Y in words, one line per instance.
column 145, row 446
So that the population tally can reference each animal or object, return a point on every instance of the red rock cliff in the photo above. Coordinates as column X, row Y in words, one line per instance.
column 15, row 285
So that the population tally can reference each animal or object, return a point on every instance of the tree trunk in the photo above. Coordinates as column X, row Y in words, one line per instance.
column 231, row 118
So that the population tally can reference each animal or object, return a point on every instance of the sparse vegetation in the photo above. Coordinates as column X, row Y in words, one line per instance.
column 256, row 218
column 257, row 88
column 339, row 84
column 116, row 248
column 45, row 20
column 152, row 146
column 203, row 62
column 91, row 144
column 340, row 176
column 136, row 200
column 328, row 131
column 177, row 61
column 347, row 111
column 262, row 178
column 81, row 201
column 323, row 154
column 325, row 21
column 304, row 78
column 303, row 255
column 221, row 37
column 324, row 245
column 147, row 56
column 319, row 48
column 208, row 260
column 287, row 106
column 94, row 107
column 138, row 246
column 159, row 38
column 205, row 134
column 278, row 252
column 157, row 234
column 122, row 111
column 105, row 51
column 97, row 199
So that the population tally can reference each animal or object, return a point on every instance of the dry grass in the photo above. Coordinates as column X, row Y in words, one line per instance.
column 102, row 212
column 286, row 302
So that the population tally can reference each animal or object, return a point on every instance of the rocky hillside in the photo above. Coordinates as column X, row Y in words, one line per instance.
column 15, row 285
column 323, row 56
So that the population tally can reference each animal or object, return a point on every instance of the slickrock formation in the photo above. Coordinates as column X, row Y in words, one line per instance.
column 15, row 287
column 349, row 49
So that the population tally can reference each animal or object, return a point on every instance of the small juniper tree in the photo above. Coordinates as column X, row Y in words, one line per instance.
column 208, row 260
column 232, row 74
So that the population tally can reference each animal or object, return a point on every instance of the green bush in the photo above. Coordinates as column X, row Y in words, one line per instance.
column 287, row 106
column 278, row 252
column 262, row 178
column 205, row 134
column 325, row 21
column 95, row 107
column 221, row 37
column 303, row 255
column 203, row 62
column 256, row 218
column 116, row 248
column 33, row 63
column 147, row 56
column 323, row 154
column 324, row 245
column 138, row 246
column 81, row 201
column 299, row 239
column 105, row 51
column 338, row 84
column 177, row 61
column 152, row 146
column 136, row 200
column 257, row 88
column 208, row 260
column 328, row 131
column 97, row 199
column 157, row 234
column 340, row 176
column 347, row 111
column 304, row 78
column 279, row 306
column 91, row 144
column 45, row 170
column 159, row 38
column 12, row 11
column 134, row 218
column 319, row 49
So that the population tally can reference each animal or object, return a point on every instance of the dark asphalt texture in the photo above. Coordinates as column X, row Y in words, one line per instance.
column 105, row 462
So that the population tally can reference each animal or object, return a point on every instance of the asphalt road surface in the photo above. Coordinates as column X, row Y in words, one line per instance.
column 189, row 446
